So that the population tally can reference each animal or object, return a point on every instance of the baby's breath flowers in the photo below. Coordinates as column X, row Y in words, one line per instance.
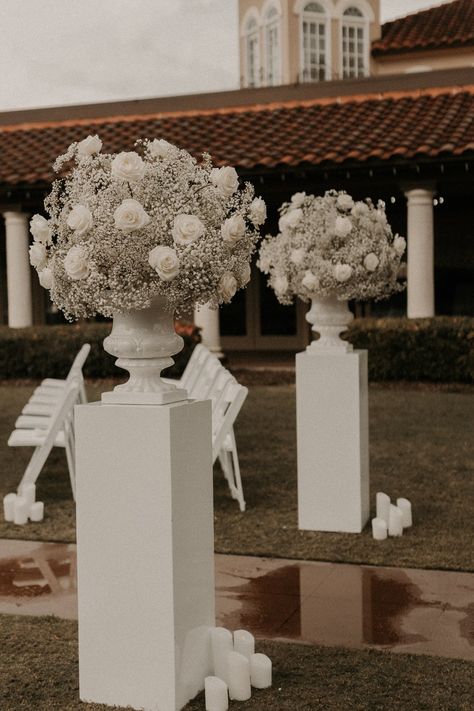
column 125, row 228
column 332, row 246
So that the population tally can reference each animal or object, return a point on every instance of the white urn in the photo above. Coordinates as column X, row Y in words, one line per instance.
column 329, row 317
column 143, row 340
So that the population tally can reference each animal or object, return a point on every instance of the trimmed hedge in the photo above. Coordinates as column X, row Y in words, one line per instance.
column 439, row 349
column 48, row 351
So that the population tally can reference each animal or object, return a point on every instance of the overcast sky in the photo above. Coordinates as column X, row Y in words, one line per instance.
column 55, row 52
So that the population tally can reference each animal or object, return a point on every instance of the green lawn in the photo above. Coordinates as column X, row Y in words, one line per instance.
column 38, row 670
column 420, row 448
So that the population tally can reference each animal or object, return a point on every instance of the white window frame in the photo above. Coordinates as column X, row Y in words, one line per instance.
column 250, row 34
column 273, row 78
column 322, row 18
column 367, row 16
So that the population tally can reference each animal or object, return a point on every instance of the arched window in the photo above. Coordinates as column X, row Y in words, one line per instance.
column 271, row 20
column 252, row 53
column 314, row 43
column 355, row 44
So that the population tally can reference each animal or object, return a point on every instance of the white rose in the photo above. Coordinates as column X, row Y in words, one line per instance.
column 345, row 202
column 187, row 229
column 130, row 216
column 360, row 208
column 128, row 166
column 310, row 281
column 225, row 180
column 399, row 245
column 233, row 230
column 290, row 219
column 40, row 229
column 165, row 262
column 80, row 220
column 38, row 255
column 297, row 200
column 89, row 146
column 297, row 256
column 280, row 284
column 258, row 212
column 76, row 263
column 342, row 272
column 227, row 286
column 342, row 226
column 46, row 278
column 159, row 148
column 371, row 262
column 245, row 274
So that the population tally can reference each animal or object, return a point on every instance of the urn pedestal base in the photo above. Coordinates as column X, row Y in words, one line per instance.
column 145, row 553
column 333, row 441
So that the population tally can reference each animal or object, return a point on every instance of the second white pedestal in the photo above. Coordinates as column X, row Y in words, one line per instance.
column 145, row 553
column 332, row 437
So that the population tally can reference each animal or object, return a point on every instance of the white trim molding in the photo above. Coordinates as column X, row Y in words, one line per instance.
column 272, row 76
column 362, row 5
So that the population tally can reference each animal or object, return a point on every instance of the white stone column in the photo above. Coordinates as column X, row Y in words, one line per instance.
column 20, row 312
column 207, row 320
column 420, row 253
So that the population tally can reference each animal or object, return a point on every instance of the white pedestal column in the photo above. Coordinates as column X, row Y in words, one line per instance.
column 145, row 553
column 207, row 320
column 420, row 254
column 333, row 441
column 20, row 312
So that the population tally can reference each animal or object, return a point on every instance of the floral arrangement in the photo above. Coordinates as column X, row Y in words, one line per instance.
column 332, row 246
column 127, row 227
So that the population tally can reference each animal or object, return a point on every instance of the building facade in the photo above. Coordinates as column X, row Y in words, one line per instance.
column 407, row 138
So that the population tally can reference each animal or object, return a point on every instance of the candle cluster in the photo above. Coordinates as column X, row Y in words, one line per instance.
column 18, row 508
column 236, row 669
column 390, row 520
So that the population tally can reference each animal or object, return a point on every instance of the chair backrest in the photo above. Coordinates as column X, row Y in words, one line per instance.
column 78, row 362
column 225, row 412
column 207, row 377
column 193, row 362
column 203, row 357
column 63, row 413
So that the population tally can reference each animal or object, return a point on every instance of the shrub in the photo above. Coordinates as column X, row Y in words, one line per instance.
column 439, row 349
column 48, row 351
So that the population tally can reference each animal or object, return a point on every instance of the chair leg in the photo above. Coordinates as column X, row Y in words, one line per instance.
column 70, row 462
column 237, row 476
column 31, row 472
column 226, row 466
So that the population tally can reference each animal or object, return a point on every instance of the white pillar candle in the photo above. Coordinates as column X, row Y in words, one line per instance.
column 405, row 507
column 382, row 504
column 260, row 671
column 379, row 529
column 244, row 643
column 221, row 644
column 395, row 524
column 215, row 692
column 21, row 511
column 28, row 492
column 37, row 511
column 239, row 676
column 9, row 507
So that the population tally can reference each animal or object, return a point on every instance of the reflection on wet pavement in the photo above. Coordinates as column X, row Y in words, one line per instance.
column 403, row 610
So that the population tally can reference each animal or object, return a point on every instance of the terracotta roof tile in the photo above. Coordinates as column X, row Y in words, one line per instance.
column 449, row 25
column 317, row 132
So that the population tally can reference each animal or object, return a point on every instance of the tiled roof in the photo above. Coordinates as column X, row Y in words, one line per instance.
column 449, row 25
column 317, row 132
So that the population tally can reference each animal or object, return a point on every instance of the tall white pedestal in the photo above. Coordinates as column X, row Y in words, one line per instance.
column 333, row 441
column 145, row 553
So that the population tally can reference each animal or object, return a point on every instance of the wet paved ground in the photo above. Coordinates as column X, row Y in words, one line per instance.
column 403, row 610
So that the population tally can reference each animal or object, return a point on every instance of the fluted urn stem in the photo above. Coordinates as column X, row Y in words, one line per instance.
column 329, row 317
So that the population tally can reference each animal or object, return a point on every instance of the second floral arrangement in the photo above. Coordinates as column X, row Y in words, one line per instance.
column 332, row 246
column 125, row 228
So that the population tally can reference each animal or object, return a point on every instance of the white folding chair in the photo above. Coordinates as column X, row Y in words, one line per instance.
column 188, row 380
column 204, row 384
column 227, row 396
column 58, row 433
column 44, row 399
column 50, row 388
